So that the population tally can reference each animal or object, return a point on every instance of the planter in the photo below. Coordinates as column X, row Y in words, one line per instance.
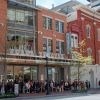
column 79, row 91
column 8, row 95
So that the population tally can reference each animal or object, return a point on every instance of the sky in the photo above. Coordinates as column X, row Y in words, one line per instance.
column 48, row 3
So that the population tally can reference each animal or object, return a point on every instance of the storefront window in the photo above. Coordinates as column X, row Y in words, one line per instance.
column 27, row 74
column 34, row 73
column 50, row 73
column 24, row 73
column 54, row 74
column 18, row 72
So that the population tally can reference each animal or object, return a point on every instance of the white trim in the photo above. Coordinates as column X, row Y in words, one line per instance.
column 74, row 42
column 87, row 10
column 47, row 16
column 90, row 17
column 56, row 19
column 47, row 37
column 59, row 40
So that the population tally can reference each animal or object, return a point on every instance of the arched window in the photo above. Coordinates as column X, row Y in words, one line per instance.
column 88, row 30
column 74, row 40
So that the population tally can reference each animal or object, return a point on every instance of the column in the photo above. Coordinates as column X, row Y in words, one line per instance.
column 53, row 74
column 65, row 73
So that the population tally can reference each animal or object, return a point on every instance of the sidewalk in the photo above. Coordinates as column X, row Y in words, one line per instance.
column 67, row 93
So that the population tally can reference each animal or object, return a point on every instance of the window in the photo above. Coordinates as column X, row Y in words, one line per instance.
column 34, row 73
column 59, row 26
column 11, row 15
column 89, row 52
column 62, row 47
column 22, row 41
column 47, row 45
column 98, row 32
column 50, row 73
column 23, row 17
column 29, row 18
column 47, row 23
column 50, row 45
column 31, row 2
column 19, row 17
column 88, row 31
column 59, row 47
column 44, row 44
column 74, row 40
column 54, row 73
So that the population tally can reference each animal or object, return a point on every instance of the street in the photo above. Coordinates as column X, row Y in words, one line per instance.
column 77, row 97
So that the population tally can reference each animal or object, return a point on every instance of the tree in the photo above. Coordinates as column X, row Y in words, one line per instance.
column 79, row 55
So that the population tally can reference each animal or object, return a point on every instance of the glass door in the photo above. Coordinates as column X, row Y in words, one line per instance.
column 27, row 74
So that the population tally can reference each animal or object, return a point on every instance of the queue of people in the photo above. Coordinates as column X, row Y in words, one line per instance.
column 42, row 86
column 31, row 86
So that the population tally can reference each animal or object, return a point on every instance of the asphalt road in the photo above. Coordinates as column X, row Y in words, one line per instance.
column 85, row 97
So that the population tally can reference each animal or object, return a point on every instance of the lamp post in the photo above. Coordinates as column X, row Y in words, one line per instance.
column 47, row 84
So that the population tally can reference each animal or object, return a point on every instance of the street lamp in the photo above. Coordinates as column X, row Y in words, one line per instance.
column 47, row 84
column 47, row 91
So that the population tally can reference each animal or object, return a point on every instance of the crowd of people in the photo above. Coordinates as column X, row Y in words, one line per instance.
column 42, row 86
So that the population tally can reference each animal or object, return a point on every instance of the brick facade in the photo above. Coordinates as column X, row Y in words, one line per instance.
column 79, row 27
column 3, row 18
column 50, row 33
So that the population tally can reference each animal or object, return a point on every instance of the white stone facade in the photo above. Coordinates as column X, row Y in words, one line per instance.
column 88, row 72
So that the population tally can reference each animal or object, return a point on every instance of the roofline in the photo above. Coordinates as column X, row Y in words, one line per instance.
column 22, row 4
column 86, row 8
column 41, row 7
column 65, row 4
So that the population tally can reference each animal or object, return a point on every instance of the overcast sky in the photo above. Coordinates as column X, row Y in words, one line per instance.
column 48, row 3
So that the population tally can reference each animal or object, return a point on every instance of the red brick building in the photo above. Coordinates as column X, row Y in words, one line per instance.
column 44, row 14
column 32, row 33
column 87, row 26
column 3, row 17
column 83, row 23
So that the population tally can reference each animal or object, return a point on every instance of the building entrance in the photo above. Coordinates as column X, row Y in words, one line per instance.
column 56, row 73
